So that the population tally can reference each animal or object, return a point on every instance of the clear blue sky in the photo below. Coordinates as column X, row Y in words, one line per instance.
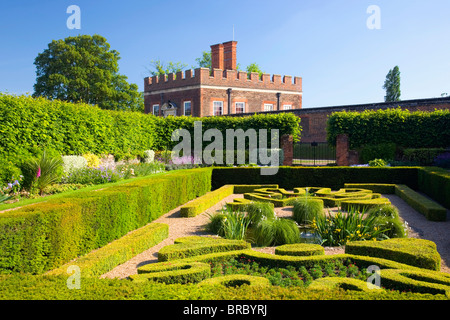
column 325, row 42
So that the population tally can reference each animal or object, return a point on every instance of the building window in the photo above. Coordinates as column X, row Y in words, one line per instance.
column 268, row 107
column 187, row 108
column 287, row 107
column 156, row 109
column 217, row 108
column 240, row 107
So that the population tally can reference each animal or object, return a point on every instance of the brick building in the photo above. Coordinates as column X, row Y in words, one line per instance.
column 220, row 91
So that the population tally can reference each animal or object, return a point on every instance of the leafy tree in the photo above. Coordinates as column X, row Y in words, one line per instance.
column 84, row 69
column 171, row 67
column 392, row 85
column 205, row 60
column 253, row 67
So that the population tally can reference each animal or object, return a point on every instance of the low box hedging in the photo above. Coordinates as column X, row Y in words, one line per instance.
column 332, row 283
column 415, row 252
column 40, row 237
column 199, row 205
column 299, row 249
column 196, row 245
column 332, row 177
column 417, row 281
column 363, row 205
column 383, row 188
column 117, row 252
column 236, row 280
column 429, row 208
column 178, row 272
column 244, row 188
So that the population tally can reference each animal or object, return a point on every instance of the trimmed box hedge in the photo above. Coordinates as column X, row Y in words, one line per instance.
column 382, row 188
column 417, row 281
column 429, row 208
column 415, row 252
column 435, row 182
column 196, row 245
column 206, row 201
column 177, row 272
column 40, row 237
column 236, row 280
column 300, row 249
column 332, row 177
column 117, row 252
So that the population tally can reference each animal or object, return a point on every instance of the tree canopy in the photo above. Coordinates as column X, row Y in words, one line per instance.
column 84, row 69
column 392, row 85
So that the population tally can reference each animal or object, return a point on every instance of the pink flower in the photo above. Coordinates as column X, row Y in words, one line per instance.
column 38, row 172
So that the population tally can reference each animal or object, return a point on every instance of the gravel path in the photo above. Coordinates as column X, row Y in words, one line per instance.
column 419, row 227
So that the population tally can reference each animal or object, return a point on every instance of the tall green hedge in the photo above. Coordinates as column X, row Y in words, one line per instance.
column 45, row 235
column 418, row 129
column 28, row 124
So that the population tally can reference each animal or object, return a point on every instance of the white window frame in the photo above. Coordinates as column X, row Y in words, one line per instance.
column 236, row 106
column 190, row 107
column 215, row 105
column 268, row 106
column 287, row 106
column 153, row 109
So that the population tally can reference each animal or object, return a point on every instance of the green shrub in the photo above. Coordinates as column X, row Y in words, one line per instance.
column 415, row 252
column 299, row 249
column 382, row 151
column 305, row 210
column 387, row 217
column 235, row 225
column 422, row 156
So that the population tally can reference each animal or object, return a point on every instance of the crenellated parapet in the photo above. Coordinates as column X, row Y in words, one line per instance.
column 221, row 78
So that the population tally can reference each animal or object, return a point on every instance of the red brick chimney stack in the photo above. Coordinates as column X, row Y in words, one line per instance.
column 217, row 56
column 223, row 56
column 229, row 55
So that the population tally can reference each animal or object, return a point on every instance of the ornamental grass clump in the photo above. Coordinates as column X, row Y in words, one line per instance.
column 337, row 229
column 258, row 211
column 276, row 232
